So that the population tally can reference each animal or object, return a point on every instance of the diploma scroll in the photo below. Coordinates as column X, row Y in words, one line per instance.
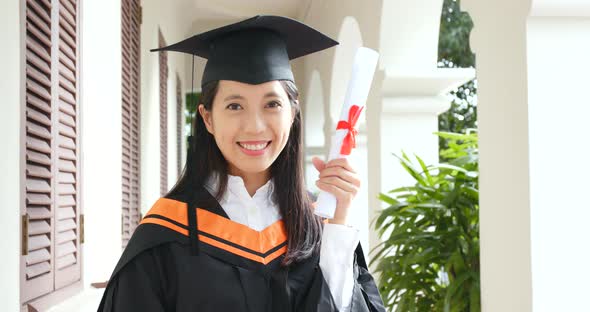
column 343, row 140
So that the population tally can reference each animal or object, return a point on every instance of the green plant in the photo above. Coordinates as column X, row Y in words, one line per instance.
column 454, row 52
column 429, row 256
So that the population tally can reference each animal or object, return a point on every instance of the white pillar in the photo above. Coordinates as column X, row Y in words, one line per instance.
column 11, row 164
column 101, row 137
column 533, row 117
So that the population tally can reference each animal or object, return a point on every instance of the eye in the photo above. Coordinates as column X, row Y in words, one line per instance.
column 274, row 104
column 234, row 106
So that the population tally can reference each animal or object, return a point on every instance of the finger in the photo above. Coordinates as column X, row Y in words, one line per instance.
column 330, row 188
column 340, row 162
column 340, row 172
column 318, row 163
column 335, row 190
column 341, row 184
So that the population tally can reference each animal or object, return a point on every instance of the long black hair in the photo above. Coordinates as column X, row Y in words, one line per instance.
column 303, row 227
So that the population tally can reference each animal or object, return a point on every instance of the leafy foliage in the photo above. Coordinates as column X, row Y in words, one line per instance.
column 454, row 52
column 453, row 42
column 429, row 256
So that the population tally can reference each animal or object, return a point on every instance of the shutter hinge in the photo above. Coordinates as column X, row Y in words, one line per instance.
column 82, row 229
column 24, row 234
column 140, row 15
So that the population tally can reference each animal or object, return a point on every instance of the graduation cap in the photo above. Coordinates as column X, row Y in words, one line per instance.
column 253, row 51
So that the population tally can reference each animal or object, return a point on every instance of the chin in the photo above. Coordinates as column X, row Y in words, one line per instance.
column 253, row 168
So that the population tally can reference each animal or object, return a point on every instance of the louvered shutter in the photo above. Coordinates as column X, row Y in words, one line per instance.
column 51, row 252
column 163, row 56
column 130, row 10
column 67, row 212
column 38, row 263
column 179, row 124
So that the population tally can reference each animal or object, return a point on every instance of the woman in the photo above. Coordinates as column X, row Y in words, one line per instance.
column 237, row 232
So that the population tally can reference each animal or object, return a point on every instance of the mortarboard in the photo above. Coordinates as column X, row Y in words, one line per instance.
column 253, row 51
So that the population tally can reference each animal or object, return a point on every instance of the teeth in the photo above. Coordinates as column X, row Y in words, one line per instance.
column 254, row 147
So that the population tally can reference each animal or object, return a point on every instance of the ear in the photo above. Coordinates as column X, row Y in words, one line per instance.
column 294, row 112
column 206, row 117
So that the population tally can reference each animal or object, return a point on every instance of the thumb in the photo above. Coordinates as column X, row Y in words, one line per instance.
column 318, row 163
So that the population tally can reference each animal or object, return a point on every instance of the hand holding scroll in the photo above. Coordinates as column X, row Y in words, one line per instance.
column 343, row 141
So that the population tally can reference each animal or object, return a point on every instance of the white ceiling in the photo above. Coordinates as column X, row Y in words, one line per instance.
column 241, row 9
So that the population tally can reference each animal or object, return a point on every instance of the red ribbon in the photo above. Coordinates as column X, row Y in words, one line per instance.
column 349, row 141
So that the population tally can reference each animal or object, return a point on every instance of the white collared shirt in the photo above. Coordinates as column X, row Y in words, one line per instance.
column 260, row 211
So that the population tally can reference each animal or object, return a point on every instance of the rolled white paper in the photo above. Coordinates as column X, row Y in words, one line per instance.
column 363, row 68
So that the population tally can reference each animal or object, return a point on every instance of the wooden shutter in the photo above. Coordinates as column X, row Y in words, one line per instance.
column 67, row 245
column 51, row 236
column 163, row 117
column 179, row 125
column 130, row 18
column 38, row 221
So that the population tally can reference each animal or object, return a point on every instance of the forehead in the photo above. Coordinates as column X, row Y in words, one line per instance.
column 246, row 90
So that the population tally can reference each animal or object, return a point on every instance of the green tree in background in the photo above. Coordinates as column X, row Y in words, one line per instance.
column 454, row 52
column 192, row 99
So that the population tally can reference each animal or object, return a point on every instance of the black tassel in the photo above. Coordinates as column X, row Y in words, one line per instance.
column 193, row 229
column 191, row 205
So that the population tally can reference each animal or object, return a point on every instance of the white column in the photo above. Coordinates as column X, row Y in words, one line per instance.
column 171, row 130
column 11, row 165
column 533, row 116
column 101, row 137
column 559, row 138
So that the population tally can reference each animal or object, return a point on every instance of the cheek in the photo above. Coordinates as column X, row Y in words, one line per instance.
column 283, row 128
column 222, row 132
column 225, row 136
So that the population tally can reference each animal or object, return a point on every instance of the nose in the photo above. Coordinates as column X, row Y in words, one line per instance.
column 254, row 123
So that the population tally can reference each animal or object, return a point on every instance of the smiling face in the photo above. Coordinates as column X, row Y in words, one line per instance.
column 250, row 124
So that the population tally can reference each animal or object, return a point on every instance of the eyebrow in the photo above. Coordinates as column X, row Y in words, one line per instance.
column 234, row 97
column 271, row 94
column 239, row 97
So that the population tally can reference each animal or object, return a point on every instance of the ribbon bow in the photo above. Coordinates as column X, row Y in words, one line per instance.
column 349, row 141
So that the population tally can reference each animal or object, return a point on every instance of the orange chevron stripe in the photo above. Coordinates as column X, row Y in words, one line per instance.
column 260, row 241
column 165, row 223
column 218, row 226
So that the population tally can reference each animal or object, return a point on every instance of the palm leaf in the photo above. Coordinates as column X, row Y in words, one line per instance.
column 430, row 226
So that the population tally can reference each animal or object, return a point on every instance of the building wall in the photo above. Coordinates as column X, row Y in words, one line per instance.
column 558, row 126
column 101, row 135
column 174, row 21
column 101, row 125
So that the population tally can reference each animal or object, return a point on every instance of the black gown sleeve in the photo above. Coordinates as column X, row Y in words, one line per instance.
column 141, row 285
column 365, row 296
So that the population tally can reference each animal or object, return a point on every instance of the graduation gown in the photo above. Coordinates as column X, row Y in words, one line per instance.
column 231, row 268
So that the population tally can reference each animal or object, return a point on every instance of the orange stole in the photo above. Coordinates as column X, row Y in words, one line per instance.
column 214, row 225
